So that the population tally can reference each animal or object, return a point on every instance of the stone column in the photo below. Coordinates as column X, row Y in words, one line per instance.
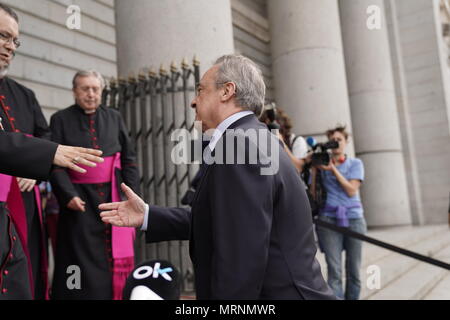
column 403, row 105
column 308, row 65
column 374, row 115
column 154, row 32
column 151, row 32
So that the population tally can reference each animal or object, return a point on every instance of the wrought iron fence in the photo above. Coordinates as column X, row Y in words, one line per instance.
column 153, row 105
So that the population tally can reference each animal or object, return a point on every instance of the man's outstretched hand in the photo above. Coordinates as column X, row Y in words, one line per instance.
column 129, row 213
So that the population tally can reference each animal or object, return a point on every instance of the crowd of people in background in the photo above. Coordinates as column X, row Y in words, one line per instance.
column 341, row 180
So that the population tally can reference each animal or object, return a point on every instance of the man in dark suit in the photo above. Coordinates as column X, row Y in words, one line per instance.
column 250, row 227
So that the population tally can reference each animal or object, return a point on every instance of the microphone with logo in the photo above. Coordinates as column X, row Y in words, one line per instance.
column 153, row 280
column 311, row 142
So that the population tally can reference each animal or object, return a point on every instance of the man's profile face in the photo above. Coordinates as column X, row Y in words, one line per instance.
column 88, row 93
column 207, row 99
column 9, row 29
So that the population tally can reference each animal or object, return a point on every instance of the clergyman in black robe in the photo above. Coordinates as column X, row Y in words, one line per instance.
column 21, row 113
column 30, row 158
column 85, row 246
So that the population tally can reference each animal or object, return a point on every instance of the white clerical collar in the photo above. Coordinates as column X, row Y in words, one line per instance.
column 223, row 126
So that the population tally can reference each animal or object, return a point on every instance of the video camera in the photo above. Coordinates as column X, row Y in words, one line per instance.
column 321, row 155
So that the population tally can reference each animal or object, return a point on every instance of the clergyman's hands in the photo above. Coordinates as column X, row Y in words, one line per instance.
column 129, row 213
column 76, row 204
column 26, row 185
column 69, row 157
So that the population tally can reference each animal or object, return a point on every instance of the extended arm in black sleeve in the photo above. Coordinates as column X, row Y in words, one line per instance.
column 166, row 224
column 22, row 156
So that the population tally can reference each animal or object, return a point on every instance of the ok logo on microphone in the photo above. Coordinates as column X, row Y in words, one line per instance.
column 147, row 271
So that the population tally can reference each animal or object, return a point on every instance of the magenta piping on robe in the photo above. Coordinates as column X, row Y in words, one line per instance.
column 10, row 193
column 122, row 238
column 44, row 258
column 5, row 186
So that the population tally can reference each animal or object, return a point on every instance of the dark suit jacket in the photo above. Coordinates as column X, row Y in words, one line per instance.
column 26, row 157
column 251, row 235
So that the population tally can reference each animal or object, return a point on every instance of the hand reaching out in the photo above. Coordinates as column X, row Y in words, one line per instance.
column 129, row 213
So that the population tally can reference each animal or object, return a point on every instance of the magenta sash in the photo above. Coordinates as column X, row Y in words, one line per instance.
column 44, row 257
column 5, row 186
column 122, row 238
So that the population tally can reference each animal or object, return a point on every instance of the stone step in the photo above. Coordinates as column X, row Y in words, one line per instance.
column 399, row 236
column 403, row 237
column 417, row 282
column 394, row 265
column 426, row 240
column 441, row 291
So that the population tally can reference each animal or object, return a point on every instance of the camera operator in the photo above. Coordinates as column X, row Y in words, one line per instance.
column 294, row 145
column 341, row 179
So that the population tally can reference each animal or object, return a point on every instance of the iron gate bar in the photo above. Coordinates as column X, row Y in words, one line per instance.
column 132, row 107
column 154, row 82
column 163, row 132
column 174, row 79
column 144, row 129
column 150, row 106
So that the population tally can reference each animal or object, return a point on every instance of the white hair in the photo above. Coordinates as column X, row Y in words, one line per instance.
column 88, row 73
column 248, row 78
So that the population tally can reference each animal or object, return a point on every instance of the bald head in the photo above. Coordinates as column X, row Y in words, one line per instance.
column 10, row 12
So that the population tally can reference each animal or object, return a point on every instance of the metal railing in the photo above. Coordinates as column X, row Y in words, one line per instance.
column 153, row 105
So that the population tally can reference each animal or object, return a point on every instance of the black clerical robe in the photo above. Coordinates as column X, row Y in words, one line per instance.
column 18, row 151
column 83, row 240
column 21, row 113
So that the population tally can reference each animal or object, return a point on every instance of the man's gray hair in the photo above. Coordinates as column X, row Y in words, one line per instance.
column 248, row 78
column 10, row 12
column 88, row 73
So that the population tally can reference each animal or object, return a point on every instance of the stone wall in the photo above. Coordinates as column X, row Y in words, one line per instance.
column 426, row 73
column 51, row 53
column 252, row 37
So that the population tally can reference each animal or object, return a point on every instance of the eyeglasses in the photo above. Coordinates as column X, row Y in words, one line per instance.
column 87, row 89
column 9, row 39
